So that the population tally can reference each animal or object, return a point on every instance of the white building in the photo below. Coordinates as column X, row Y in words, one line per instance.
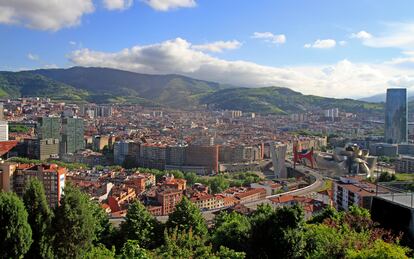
column 4, row 131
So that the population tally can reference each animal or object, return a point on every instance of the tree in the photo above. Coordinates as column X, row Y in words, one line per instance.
column 231, row 230
column 103, row 229
column 219, row 184
column 187, row 216
column 184, row 244
column 386, row 177
column 279, row 232
column 74, row 224
column 141, row 226
column 100, row 252
column 191, row 178
column 40, row 219
column 15, row 232
column 328, row 213
column 132, row 250
column 177, row 174
column 323, row 241
column 226, row 253
column 380, row 250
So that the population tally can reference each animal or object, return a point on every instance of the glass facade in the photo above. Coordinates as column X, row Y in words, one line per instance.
column 396, row 116
column 72, row 135
column 49, row 128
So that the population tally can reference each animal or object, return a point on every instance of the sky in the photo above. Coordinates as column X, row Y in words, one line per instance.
column 352, row 48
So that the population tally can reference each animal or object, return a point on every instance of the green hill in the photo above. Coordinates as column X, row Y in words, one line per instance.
column 22, row 84
column 105, row 84
column 279, row 100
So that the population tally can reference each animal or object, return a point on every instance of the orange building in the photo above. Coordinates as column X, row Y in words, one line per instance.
column 251, row 195
column 120, row 198
column 15, row 177
column 207, row 156
column 168, row 199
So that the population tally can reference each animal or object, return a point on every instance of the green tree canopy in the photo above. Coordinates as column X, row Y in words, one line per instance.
column 231, row 230
column 380, row 250
column 219, row 184
column 74, row 224
column 40, row 219
column 141, row 226
column 279, row 232
column 104, row 230
column 100, row 252
column 132, row 250
column 184, row 244
column 15, row 232
column 187, row 216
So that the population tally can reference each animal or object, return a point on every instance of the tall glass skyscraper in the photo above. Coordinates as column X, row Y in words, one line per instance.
column 396, row 116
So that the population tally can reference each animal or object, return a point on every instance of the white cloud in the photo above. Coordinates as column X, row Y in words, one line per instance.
column 44, row 14
column 73, row 43
column 165, row 5
column 362, row 35
column 342, row 43
column 32, row 57
column 218, row 46
column 402, row 81
column 321, row 44
column 270, row 37
column 178, row 56
column 117, row 4
column 397, row 35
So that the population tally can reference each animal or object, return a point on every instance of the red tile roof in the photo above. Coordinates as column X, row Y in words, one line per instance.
column 6, row 146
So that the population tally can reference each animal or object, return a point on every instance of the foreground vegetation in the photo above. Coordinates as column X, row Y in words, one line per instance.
column 79, row 228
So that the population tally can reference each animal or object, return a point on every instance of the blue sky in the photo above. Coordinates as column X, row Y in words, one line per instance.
column 331, row 48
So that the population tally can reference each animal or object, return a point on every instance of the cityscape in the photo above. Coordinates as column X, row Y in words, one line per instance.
column 139, row 154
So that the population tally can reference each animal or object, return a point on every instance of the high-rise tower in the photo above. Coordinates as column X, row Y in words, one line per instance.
column 396, row 116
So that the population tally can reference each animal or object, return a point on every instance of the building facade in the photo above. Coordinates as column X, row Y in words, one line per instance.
column 4, row 131
column 15, row 177
column 72, row 135
column 404, row 164
column 396, row 127
column 49, row 128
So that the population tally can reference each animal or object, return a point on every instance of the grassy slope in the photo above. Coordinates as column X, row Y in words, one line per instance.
column 281, row 101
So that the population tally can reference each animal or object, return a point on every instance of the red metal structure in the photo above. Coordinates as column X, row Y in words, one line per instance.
column 303, row 154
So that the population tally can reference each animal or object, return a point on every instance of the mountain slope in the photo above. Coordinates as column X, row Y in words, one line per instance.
column 382, row 97
column 21, row 84
column 103, row 85
column 281, row 100
column 171, row 90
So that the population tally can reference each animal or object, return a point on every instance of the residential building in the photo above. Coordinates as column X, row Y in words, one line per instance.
column 4, row 131
column 205, row 201
column 404, row 164
column 206, row 156
column 15, row 177
column 126, row 150
column 350, row 191
column 47, row 148
column 99, row 142
column 168, row 199
column 121, row 197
